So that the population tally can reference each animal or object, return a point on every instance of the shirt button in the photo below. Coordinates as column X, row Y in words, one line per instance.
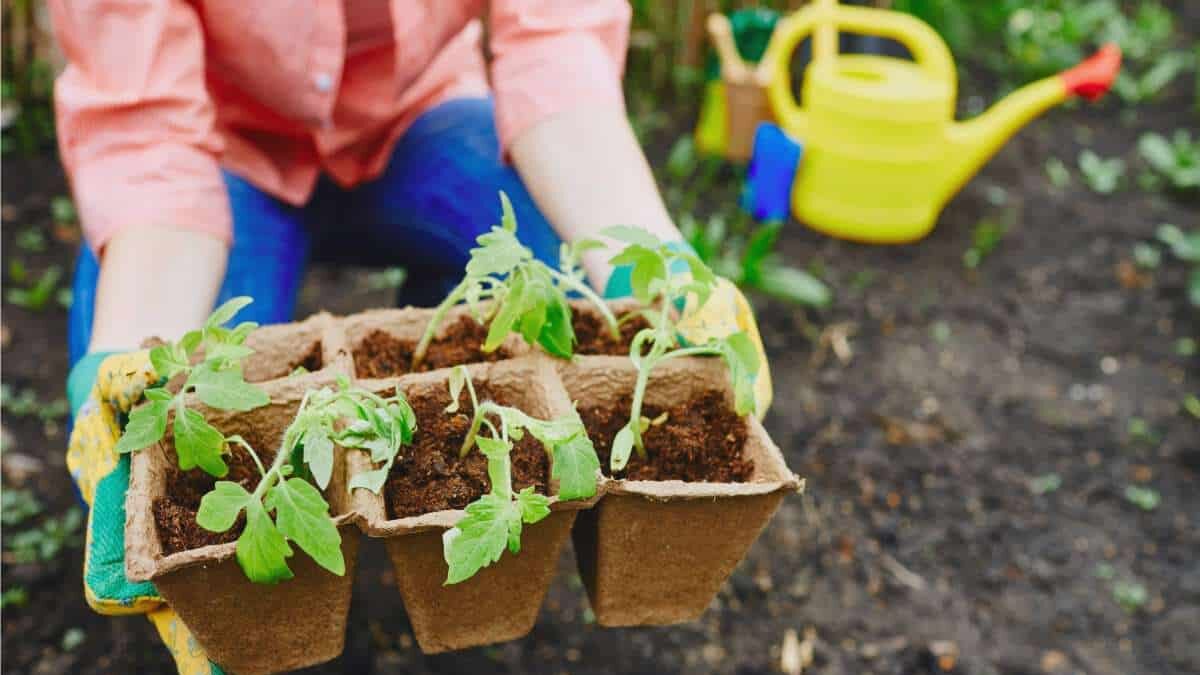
column 323, row 82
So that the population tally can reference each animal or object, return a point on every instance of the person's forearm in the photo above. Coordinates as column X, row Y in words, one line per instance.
column 587, row 172
column 155, row 282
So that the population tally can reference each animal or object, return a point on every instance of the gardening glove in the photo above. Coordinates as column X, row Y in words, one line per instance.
column 102, row 388
column 726, row 312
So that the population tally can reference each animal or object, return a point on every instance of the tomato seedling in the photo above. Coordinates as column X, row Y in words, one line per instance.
column 494, row 521
column 663, row 278
column 301, row 514
column 216, row 380
column 525, row 294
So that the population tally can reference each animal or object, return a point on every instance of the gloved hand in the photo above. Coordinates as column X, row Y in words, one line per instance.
column 102, row 388
column 727, row 311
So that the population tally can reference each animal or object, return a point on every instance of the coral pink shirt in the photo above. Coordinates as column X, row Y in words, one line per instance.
column 159, row 93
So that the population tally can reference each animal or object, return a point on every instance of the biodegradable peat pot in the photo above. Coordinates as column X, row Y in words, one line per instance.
column 244, row 627
column 501, row 601
column 381, row 342
column 657, row 552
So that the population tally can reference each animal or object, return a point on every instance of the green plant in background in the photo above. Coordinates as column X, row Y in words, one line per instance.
column 525, row 294
column 660, row 284
column 1058, row 173
column 747, row 258
column 1130, row 595
column 14, row 596
column 1045, row 484
column 1185, row 247
column 1146, row 499
column 45, row 540
column 1101, row 175
column 37, row 296
column 1176, row 160
column 17, row 506
column 984, row 239
column 306, row 453
column 1149, row 84
column 494, row 521
column 62, row 209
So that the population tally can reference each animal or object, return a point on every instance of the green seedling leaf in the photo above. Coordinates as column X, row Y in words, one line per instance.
column 223, row 314
column 631, row 235
column 198, row 443
column 318, row 454
column 226, row 389
column 219, row 509
column 262, row 552
column 302, row 515
column 534, row 506
column 147, row 425
column 168, row 360
column 575, row 467
column 557, row 335
column 622, row 448
column 795, row 285
column 479, row 539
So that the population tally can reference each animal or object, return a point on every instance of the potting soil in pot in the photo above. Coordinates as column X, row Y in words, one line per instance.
column 430, row 476
column 699, row 440
column 175, row 511
column 380, row 354
column 593, row 338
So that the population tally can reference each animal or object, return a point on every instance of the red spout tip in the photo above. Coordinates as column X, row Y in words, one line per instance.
column 1092, row 77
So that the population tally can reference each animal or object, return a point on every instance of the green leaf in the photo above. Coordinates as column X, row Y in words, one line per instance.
column 227, row 351
column 575, row 467
column 226, row 389
column 508, row 219
column 146, row 426
column 622, row 447
column 632, row 235
column 190, row 341
column 219, row 509
column 510, row 310
column 1157, row 151
column 480, row 537
column 226, row 311
column 498, row 253
column 534, row 506
column 167, row 361
column 318, row 454
column 742, row 357
column 794, row 285
column 302, row 515
column 761, row 243
column 458, row 378
column 262, row 552
column 157, row 394
column 557, row 336
column 647, row 270
column 198, row 443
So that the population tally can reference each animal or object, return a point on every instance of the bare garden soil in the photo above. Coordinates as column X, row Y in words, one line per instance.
column 928, row 409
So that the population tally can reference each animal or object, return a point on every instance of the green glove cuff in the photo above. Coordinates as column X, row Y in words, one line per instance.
column 620, row 283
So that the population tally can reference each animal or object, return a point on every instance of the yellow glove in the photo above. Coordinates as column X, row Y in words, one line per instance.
column 102, row 388
column 725, row 313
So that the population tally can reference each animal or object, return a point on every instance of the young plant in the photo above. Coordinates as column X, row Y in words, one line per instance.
column 1101, row 175
column 662, row 279
column 525, row 294
column 306, row 456
column 494, row 521
column 1185, row 247
column 1177, row 159
column 216, row 380
column 37, row 296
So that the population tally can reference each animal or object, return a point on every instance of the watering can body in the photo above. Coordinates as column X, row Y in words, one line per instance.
column 882, row 152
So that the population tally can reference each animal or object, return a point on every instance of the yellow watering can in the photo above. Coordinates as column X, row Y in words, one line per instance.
column 882, row 153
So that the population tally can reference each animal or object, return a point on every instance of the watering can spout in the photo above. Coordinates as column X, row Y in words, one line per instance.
column 973, row 142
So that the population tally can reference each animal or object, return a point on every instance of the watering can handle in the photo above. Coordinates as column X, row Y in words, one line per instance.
column 927, row 47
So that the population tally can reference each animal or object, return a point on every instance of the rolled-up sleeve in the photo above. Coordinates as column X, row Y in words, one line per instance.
column 549, row 57
column 134, row 119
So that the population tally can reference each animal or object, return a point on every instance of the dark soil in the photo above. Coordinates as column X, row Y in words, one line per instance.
column 431, row 476
column 699, row 441
column 380, row 354
column 592, row 336
column 311, row 361
column 175, row 512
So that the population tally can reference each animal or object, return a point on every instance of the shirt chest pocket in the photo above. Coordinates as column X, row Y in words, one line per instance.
column 265, row 48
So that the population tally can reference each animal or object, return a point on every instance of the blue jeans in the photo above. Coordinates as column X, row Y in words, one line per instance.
column 437, row 194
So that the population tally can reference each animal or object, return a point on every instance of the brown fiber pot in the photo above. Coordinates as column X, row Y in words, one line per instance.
column 502, row 601
column 657, row 552
column 244, row 627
